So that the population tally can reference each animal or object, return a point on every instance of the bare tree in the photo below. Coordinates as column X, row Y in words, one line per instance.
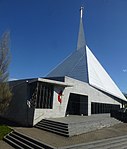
column 5, row 93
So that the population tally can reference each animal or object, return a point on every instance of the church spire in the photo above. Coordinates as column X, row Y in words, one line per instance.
column 81, row 12
column 81, row 37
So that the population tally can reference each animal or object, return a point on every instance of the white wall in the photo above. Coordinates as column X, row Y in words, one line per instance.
column 94, row 95
column 59, row 110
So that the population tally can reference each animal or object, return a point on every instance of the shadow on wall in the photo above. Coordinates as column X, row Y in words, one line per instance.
column 4, row 121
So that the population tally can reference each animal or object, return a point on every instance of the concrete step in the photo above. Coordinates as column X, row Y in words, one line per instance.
column 53, row 128
column 41, row 144
column 12, row 143
column 72, row 126
column 52, row 124
column 21, row 141
column 119, row 146
column 111, row 143
column 53, row 131
column 26, row 141
column 55, row 122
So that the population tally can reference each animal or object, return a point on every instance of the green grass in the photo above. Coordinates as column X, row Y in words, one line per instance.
column 4, row 130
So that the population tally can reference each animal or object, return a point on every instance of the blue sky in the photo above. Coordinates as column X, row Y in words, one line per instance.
column 44, row 32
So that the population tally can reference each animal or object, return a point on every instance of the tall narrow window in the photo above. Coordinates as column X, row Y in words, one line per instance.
column 44, row 93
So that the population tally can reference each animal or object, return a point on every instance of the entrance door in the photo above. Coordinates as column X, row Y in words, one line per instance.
column 77, row 104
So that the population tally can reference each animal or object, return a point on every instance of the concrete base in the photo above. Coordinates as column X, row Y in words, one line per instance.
column 83, row 124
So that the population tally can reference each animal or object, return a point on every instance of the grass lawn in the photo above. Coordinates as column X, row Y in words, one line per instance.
column 4, row 130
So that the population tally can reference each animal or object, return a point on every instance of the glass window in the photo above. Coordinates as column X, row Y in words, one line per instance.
column 42, row 95
column 103, row 107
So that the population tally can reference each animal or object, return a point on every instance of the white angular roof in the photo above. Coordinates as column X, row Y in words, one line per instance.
column 83, row 65
column 99, row 78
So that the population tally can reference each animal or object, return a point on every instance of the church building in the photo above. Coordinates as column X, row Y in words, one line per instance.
column 79, row 85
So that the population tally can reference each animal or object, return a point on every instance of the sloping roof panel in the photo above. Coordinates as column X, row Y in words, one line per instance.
column 74, row 66
column 99, row 78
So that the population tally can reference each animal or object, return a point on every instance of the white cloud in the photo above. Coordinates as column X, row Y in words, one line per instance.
column 124, row 70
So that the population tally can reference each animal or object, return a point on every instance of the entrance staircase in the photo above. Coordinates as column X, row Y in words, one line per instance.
column 54, row 126
column 21, row 141
column 75, row 125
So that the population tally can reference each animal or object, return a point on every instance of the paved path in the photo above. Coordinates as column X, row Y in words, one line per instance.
column 60, row 141
column 111, row 143
column 4, row 145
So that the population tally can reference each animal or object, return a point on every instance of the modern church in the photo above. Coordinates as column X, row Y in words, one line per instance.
column 79, row 85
